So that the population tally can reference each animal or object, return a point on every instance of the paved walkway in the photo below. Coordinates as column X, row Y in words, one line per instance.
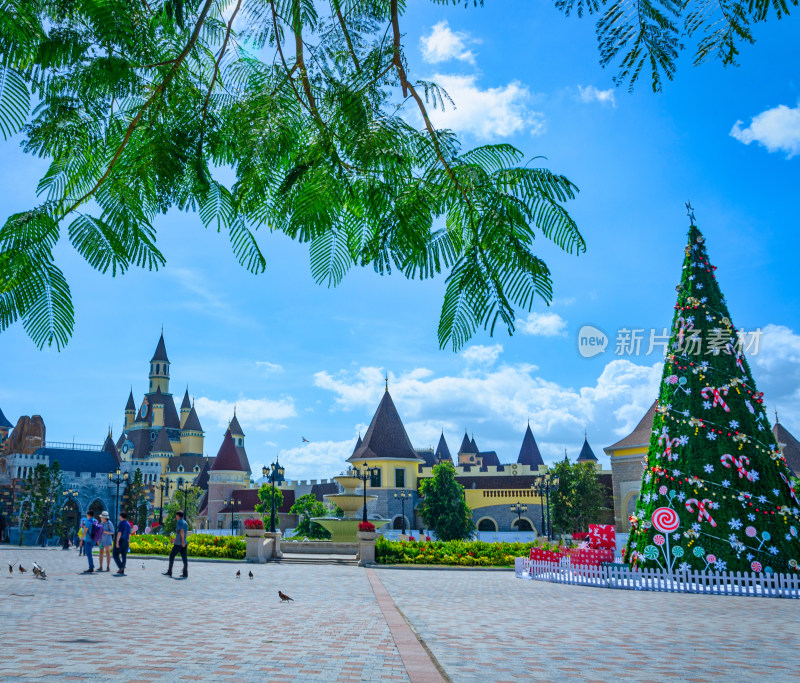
column 351, row 624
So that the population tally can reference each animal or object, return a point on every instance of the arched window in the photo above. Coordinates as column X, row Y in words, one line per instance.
column 158, row 368
column 487, row 524
column 521, row 525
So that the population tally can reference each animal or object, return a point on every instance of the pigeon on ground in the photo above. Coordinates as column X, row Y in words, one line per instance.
column 250, row 574
column 239, row 574
column 284, row 597
column 142, row 565
column 22, row 569
column 11, row 567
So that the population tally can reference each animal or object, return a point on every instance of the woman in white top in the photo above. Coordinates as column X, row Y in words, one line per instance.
column 108, row 541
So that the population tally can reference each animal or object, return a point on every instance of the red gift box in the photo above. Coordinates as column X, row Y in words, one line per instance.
column 602, row 536
column 591, row 557
column 541, row 555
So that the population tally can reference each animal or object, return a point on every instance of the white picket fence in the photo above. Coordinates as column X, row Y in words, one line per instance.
column 624, row 578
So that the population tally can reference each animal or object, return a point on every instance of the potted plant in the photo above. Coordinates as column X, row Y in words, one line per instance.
column 366, row 531
column 253, row 528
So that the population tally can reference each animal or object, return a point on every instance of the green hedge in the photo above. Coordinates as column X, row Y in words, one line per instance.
column 199, row 545
column 454, row 553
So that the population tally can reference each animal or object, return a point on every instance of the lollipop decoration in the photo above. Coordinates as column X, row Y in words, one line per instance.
column 755, row 565
column 659, row 540
column 665, row 519
column 765, row 536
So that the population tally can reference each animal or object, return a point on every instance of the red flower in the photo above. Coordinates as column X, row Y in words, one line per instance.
column 252, row 523
column 367, row 527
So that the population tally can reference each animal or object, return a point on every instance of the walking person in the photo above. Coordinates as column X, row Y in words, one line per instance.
column 94, row 532
column 121, row 543
column 107, row 541
column 81, row 534
column 179, row 545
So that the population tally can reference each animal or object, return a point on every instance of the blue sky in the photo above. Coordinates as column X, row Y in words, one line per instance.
column 300, row 360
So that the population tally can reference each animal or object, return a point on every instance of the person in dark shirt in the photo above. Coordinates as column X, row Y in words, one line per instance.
column 121, row 544
column 179, row 545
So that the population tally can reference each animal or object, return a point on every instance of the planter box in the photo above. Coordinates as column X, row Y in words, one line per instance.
column 253, row 533
column 367, row 535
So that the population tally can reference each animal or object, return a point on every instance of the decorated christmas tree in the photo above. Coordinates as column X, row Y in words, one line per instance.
column 716, row 493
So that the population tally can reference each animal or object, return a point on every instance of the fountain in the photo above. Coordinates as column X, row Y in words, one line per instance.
column 343, row 530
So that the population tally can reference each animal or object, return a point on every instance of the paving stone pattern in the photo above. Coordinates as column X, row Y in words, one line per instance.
column 491, row 626
column 479, row 626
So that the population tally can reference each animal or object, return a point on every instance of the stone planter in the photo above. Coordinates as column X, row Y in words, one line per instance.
column 254, row 533
column 366, row 547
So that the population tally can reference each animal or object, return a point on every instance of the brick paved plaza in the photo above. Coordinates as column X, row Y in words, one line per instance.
column 345, row 626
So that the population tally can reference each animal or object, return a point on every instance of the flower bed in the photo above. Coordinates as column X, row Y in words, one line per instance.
column 253, row 524
column 453, row 553
column 200, row 545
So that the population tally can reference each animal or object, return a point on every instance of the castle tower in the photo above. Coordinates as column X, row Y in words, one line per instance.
column 225, row 476
column 130, row 412
column 161, row 449
column 529, row 451
column 238, row 441
column 468, row 451
column 587, row 454
column 186, row 407
column 191, row 433
column 5, row 428
column 157, row 407
column 159, row 368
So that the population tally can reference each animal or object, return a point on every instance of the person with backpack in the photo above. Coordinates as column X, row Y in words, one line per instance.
column 94, row 534
column 121, row 544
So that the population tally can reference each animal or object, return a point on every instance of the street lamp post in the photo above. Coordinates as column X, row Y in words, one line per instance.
column 543, row 489
column 164, row 489
column 402, row 496
column 49, row 502
column 518, row 508
column 117, row 478
column 364, row 474
column 273, row 473
column 69, row 496
column 232, row 502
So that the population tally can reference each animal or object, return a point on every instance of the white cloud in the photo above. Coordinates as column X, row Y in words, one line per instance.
column 317, row 459
column 268, row 367
column 776, row 369
column 777, row 129
column 496, row 402
column 544, row 325
column 592, row 94
column 486, row 114
column 482, row 355
column 254, row 413
column 443, row 44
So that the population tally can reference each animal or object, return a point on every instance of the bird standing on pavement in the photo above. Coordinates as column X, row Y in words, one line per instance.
column 22, row 569
column 284, row 597
column 11, row 567
column 250, row 574
column 239, row 574
column 142, row 565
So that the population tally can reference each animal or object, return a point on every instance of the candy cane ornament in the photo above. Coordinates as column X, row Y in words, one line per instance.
column 668, row 444
column 739, row 463
column 716, row 394
column 702, row 511
column 788, row 483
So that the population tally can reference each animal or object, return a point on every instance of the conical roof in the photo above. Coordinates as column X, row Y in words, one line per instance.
column 529, row 452
column 110, row 447
column 227, row 457
column 442, row 451
column 640, row 436
column 4, row 423
column 131, row 404
column 161, row 445
column 715, row 485
column 474, row 446
column 161, row 351
column 236, row 428
column 466, row 445
column 192, row 423
column 587, row 454
column 186, row 403
column 790, row 447
column 386, row 436
column 358, row 443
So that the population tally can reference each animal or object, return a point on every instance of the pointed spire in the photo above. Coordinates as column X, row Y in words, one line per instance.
column 358, row 443
column 235, row 427
column 130, row 405
column 442, row 451
column 587, row 454
column 386, row 436
column 529, row 451
column 4, row 423
column 777, row 421
column 466, row 446
column 386, row 378
column 192, row 423
column 227, row 457
column 161, row 445
column 474, row 446
column 161, row 350
column 186, row 403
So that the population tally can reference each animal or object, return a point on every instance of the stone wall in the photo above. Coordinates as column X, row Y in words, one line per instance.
column 627, row 480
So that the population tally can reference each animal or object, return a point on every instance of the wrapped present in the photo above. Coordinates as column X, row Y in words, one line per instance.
column 591, row 557
column 580, row 536
column 602, row 536
column 542, row 555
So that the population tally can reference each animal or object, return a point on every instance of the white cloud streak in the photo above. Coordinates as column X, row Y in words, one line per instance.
column 591, row 94
column 262, row 414
column 544, row 325
column 777, row 129
column 486, row 114
column 482, row 355
column 444, row 44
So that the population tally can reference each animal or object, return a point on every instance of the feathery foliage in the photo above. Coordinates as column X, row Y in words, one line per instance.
column 138, row 104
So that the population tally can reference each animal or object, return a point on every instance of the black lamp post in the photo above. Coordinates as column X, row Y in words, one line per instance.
column 69, row 497
column 402, row 496
column 543, row 488
column 49, row 502
column 117, row 478
column 273, row 473
column 164, row 490
column 232, row 502
column 364, row 474
column 518, row 508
